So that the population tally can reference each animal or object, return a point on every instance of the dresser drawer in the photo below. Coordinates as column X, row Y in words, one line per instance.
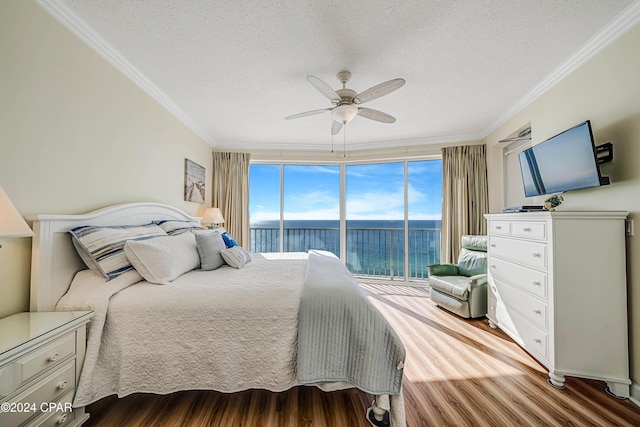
column 531, row 229
column 527, row 305
column 500, row 227
column 530, row 280
column 52, row 387
column 532, row 254
column 533, row 339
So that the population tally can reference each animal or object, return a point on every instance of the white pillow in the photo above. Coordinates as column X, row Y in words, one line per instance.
column 236, row 256
column 163, row 259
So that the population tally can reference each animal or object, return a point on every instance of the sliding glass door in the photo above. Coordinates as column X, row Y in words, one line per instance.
column 375, row 220
column 382, row 219
column 311, row 208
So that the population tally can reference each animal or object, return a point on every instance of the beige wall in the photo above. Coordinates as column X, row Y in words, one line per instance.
column 76, row 135
column 605, row 90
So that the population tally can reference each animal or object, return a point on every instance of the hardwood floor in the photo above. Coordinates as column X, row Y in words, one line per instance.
column 457, row 373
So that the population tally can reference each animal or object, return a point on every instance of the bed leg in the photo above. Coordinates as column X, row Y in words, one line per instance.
column 377, row 416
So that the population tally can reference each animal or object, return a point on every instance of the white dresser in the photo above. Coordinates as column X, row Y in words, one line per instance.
column 557, row 286
column 41, row 357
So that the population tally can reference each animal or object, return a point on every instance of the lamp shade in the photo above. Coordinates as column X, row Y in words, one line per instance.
column 212, row 216
column 11, row 222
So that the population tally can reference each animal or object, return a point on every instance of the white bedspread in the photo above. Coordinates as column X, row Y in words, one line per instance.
column 227, row 330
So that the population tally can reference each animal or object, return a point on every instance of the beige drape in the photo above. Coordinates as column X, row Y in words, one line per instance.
column 231, row 192
column 465, row 197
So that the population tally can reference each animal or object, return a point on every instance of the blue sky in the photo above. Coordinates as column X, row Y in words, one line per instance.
column 374, row 191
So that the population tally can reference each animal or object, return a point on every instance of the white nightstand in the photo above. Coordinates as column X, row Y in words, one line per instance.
column 41, row 356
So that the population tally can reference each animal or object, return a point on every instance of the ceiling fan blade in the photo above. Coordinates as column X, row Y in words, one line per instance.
column 379, row 90
column 307, row 113
column 335, row 128
column 324, row 89
column 376, row 115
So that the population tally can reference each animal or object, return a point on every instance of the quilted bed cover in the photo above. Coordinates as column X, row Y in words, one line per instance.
column 226, row 330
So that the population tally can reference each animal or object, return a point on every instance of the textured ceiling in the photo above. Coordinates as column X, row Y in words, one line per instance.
column 232, row 70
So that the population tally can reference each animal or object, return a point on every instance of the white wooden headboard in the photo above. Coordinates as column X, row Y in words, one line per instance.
column 54, row 260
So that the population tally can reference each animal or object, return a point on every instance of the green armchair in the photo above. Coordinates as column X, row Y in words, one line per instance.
column 462, row 288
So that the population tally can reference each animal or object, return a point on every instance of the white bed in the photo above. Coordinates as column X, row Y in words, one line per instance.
column 215, row 330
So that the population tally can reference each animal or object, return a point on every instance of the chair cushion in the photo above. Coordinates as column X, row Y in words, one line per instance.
column 454, row 305
column 475, row 243
column 457, row 286
column 471, row 262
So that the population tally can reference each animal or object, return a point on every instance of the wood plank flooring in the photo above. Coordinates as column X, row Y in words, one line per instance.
column 458, row 373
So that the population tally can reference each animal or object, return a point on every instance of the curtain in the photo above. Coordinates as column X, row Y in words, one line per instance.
column 231, row 192
column 465, row 197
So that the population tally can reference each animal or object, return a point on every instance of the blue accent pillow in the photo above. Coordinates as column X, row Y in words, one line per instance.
column 229, row 241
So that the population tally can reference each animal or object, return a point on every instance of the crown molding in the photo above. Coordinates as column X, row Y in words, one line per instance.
column 70, row 20
column 624, row 22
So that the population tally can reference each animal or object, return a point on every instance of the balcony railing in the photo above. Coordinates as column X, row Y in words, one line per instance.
column 371, row 252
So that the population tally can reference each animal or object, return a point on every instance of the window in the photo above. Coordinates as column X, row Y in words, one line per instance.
column 264, row 208
column 375, row 219
column 390, row 227
column 311, row 208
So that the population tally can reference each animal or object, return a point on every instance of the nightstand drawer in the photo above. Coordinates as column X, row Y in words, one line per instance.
column 52, row 387
column 45, row 357
column 58, row 417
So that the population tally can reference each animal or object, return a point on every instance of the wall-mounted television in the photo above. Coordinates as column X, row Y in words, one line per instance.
column 567, row 161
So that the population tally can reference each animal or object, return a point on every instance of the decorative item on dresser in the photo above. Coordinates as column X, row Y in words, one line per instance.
column 41, row 356
column 557, row 286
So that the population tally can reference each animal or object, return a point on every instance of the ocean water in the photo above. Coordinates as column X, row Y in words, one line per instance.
column 374, row 247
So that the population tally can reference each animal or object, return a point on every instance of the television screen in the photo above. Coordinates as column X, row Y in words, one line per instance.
column 567, row 161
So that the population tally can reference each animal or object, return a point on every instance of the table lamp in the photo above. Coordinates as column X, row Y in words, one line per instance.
column 11, row 222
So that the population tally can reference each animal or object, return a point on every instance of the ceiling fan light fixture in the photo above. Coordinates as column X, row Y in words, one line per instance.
column 344, row 113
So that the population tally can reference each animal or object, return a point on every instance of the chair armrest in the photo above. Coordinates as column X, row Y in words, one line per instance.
column 477, row 281
column 442, row 270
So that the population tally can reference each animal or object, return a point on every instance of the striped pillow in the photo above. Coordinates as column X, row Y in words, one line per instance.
column 102, row 248
column 173, row 227
column 236, row 256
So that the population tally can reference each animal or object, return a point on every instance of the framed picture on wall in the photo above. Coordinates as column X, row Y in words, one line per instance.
column 194, row 182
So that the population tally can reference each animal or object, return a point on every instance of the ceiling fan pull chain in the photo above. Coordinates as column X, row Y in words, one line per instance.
column 344, row 141
column 331, row 142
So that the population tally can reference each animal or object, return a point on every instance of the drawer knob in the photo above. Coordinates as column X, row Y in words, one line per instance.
column 63, row 385
column 536, row 312
column 536, row 283
column 526, row 229
column 54, row 357
column 536, row 255
column 537, row 340
column 493, row 245
column 498, row 227
column 493, row 266
column 62, row 419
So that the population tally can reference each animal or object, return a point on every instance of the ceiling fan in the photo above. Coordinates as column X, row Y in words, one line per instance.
column 346, row 101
